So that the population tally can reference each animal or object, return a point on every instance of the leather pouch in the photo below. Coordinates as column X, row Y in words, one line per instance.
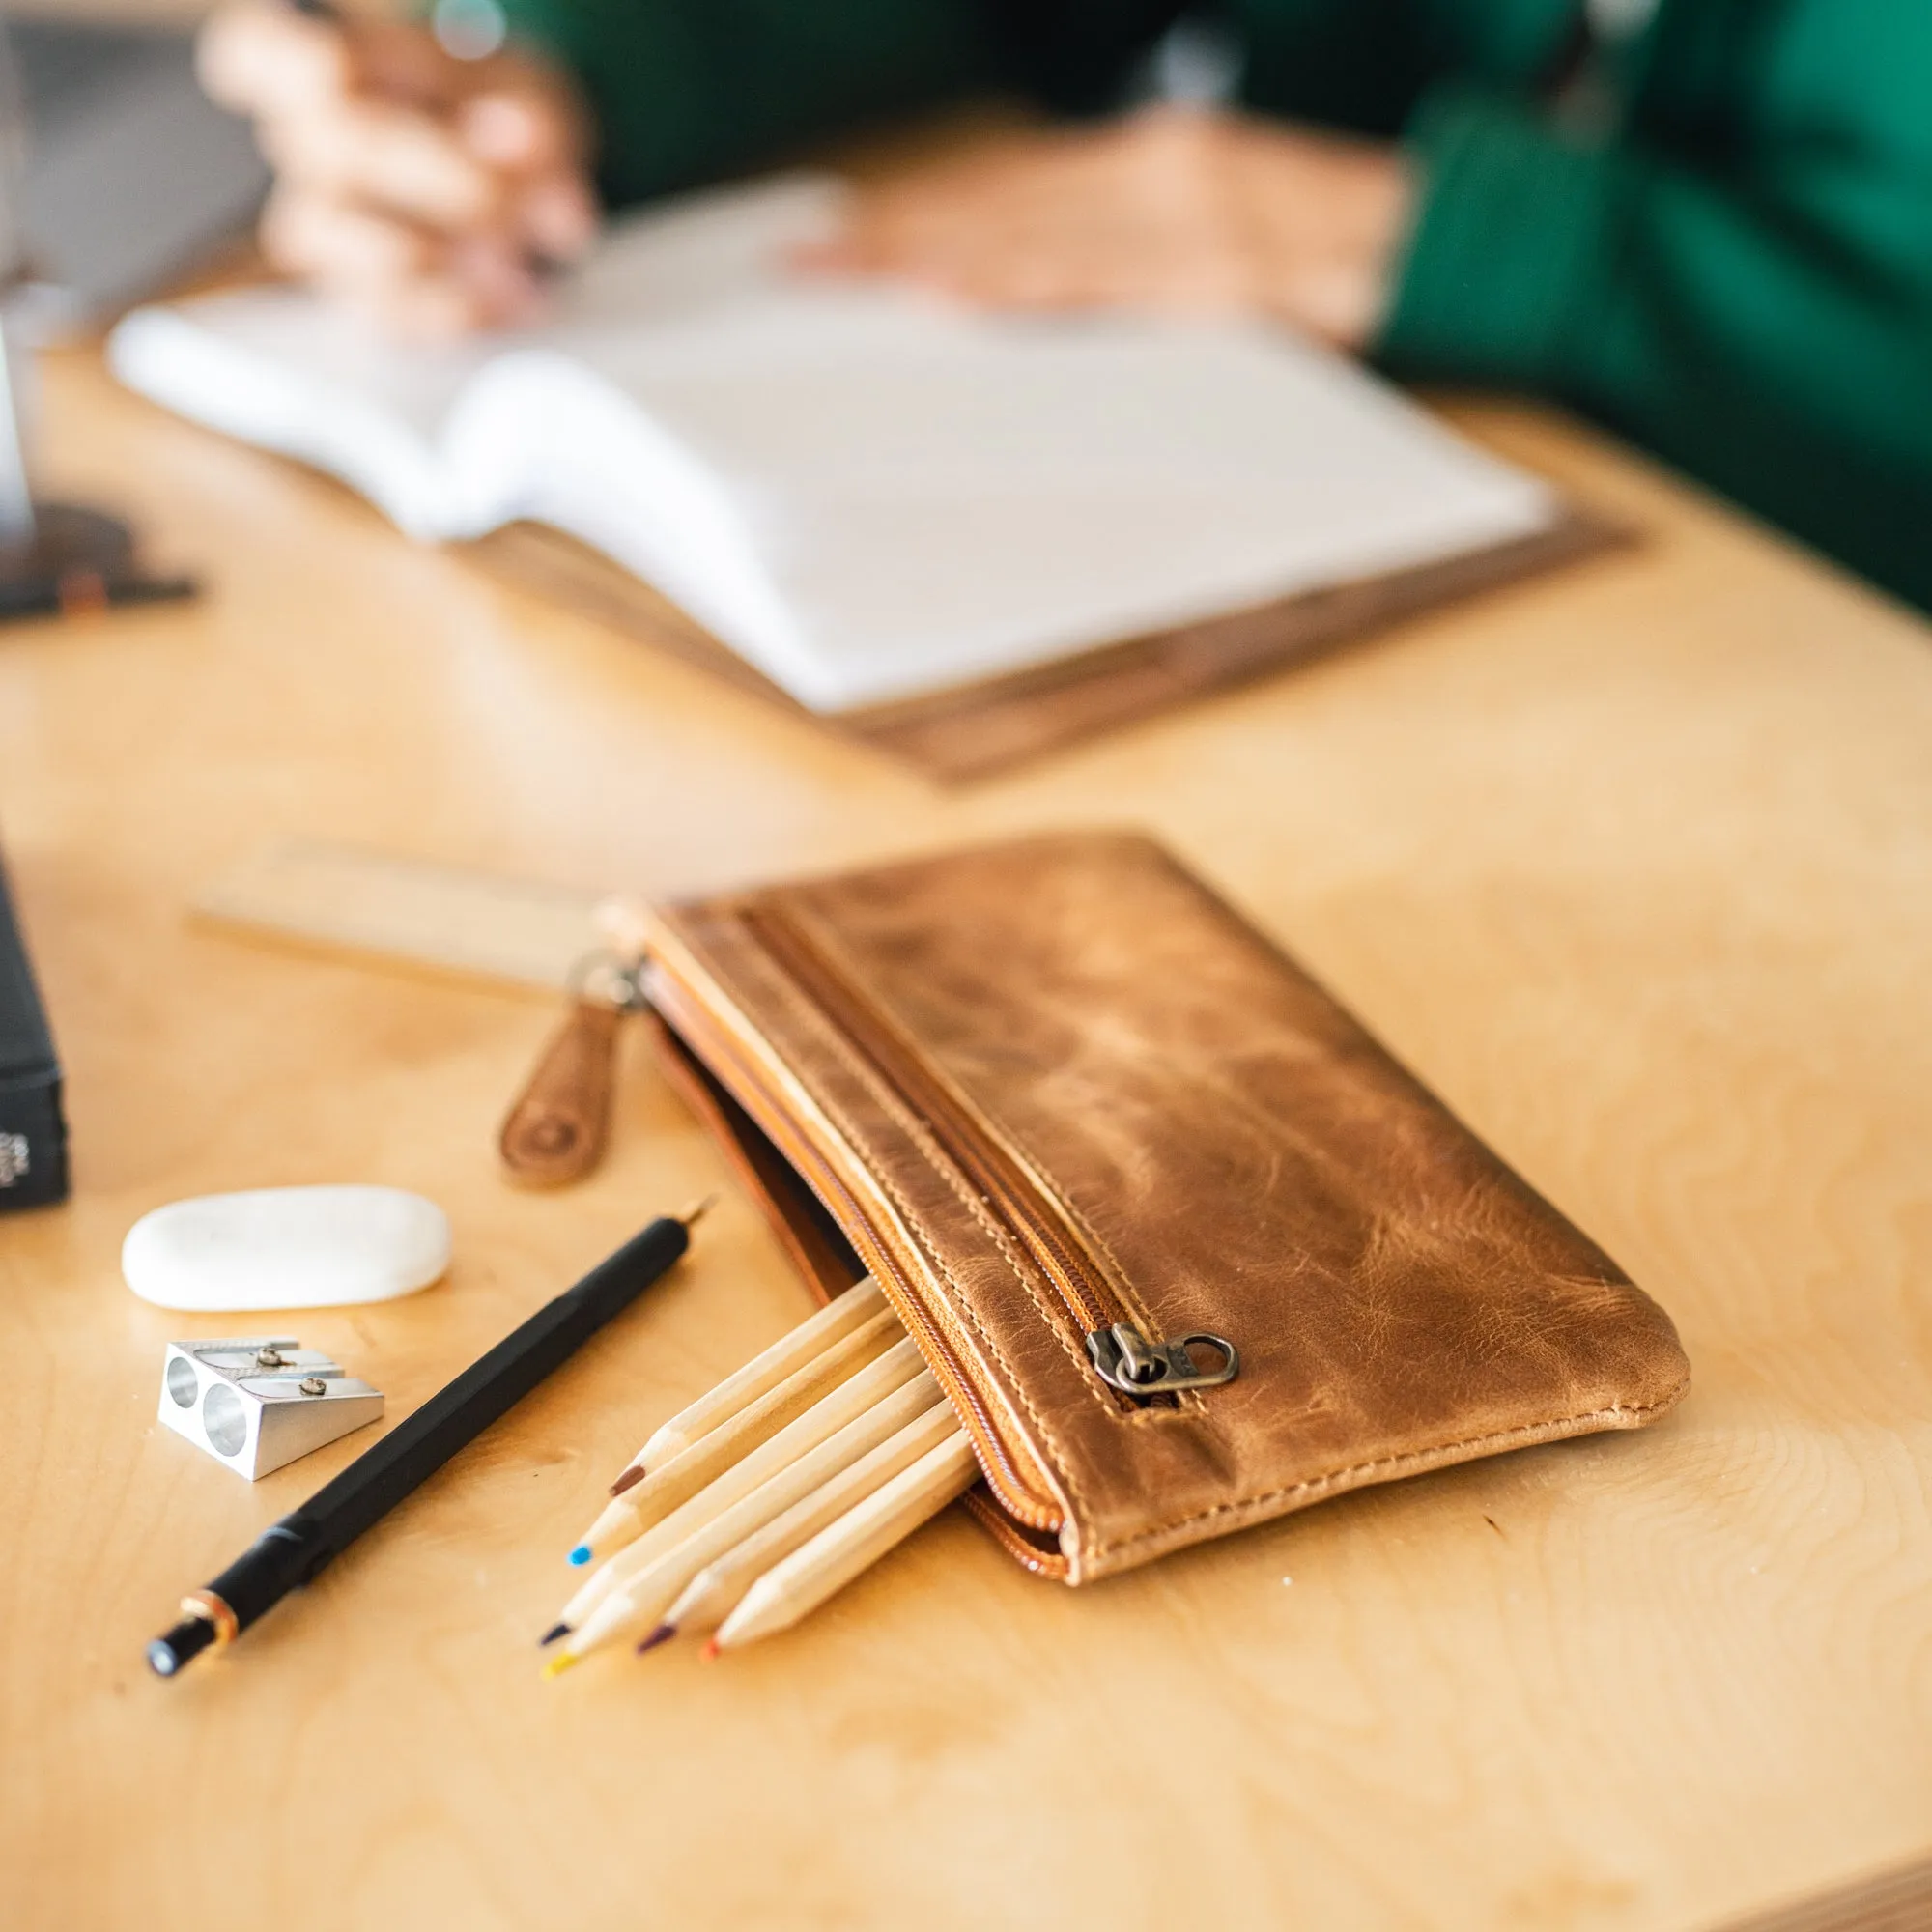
column 1185, row 1247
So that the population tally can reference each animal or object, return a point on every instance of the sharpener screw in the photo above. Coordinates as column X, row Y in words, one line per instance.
column 313, row 1385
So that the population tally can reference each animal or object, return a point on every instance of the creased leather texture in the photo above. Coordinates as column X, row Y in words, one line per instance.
column 1046, row 1085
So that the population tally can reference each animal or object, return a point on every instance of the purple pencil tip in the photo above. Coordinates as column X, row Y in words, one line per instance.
column 551, row 1635
column 661, row 1635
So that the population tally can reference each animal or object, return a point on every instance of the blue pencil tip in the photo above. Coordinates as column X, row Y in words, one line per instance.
column 581, row 1555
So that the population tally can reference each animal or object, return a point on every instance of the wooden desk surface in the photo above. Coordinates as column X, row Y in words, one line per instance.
column 1633, row 865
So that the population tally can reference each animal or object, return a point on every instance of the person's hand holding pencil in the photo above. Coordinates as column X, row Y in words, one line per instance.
column 772, row 1492
column 429, row 185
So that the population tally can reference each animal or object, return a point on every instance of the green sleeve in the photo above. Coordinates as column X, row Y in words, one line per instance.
column 686, row 91
column 1766, row 330
column 1364, row 64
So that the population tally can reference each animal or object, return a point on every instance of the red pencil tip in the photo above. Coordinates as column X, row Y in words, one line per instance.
column 661, row 1635
column 710, row 1651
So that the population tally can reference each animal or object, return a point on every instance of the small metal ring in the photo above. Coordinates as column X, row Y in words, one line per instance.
column 211, row 1610
column 1231, row 1359
column 625, row 971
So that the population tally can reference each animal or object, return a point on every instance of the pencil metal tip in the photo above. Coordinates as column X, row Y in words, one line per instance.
column 579, row 1557
column 661, row 1635
column 559, row 1664
column 698, row 1210
column 551, row 1635
column 711, row 1650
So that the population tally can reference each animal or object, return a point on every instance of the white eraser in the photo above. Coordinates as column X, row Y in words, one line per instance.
column 286, row 1247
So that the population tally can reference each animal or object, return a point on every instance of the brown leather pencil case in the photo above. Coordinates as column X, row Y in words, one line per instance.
column 1185, row 1247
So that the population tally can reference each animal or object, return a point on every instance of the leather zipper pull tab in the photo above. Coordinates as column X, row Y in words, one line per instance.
column 557, row 1130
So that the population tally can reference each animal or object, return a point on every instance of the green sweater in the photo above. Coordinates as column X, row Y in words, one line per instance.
column 1729, row 260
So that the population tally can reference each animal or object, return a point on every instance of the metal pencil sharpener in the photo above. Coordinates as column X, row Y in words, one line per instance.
column 256, row 1405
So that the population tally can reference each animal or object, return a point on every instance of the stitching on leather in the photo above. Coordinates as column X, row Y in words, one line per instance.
column 830, row 942
column 922, row 1137
column 792, row 997
column 908, row 1125
column 1524, row 1434
column 961, row 1299
column 1309, row 1489
column 1188, row 1399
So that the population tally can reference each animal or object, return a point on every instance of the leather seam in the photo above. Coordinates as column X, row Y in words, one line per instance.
column 961, row 1300
column 1494, row 1443
column 1040, row 1472
column 922, row 1138
column 1188, row 1399
column 826, row 938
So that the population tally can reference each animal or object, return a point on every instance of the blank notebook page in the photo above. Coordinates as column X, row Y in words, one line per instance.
column 937, row 495
column 906, row 495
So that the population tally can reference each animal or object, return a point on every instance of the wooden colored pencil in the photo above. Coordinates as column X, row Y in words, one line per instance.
column 855, row 1542
column 762, row 1374
column 626, row 1516
column 715, row 1592
column 635, row 1608
column 899, row 1365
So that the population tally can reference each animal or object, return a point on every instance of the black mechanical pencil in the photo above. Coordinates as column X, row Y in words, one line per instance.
column 293, row 1551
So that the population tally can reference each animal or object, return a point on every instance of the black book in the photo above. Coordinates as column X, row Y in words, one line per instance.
column 33, row 1136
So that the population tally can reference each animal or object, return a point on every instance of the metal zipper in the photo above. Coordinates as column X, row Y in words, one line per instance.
column 684, row 1010
column 1127, row 1360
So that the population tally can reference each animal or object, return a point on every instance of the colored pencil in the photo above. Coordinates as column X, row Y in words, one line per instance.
column 762, row 1374
column 635, row 1606
column 626, row 1516
column 717, row 1589
column 821, row 1568
column 897, row 1366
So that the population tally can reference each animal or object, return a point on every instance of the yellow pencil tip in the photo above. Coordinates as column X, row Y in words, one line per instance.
column 559, row 1664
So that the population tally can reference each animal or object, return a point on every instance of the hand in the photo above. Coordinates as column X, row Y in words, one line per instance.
column 1175, row 209
column 428, row 191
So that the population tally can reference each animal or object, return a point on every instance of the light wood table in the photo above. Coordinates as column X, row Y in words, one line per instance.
column 1634, row 865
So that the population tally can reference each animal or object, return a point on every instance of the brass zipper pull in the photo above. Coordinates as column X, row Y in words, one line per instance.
column 557, row 1130
column 1127, row 1360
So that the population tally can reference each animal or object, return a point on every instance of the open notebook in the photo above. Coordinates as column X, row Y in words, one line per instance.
column 877, row 502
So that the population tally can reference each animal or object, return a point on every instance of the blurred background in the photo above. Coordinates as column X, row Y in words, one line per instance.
column 1705, row 225
column 120, row 172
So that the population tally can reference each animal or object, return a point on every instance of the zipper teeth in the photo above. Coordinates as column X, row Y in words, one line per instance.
column 1005, row 1482
column 990, row 1171
column 1040, row 1561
